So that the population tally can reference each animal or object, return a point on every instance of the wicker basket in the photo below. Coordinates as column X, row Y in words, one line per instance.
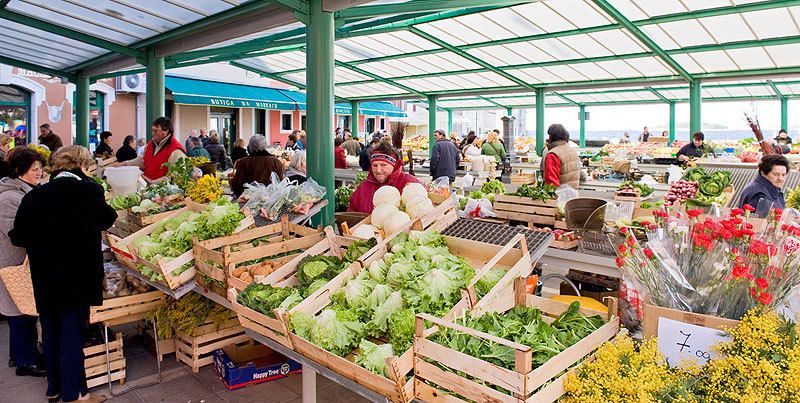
column 17, row 280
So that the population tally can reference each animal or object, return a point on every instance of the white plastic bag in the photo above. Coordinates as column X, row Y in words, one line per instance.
column 648, row 180
column 565, row 193
column 675, row 174
column 467, row 180
column 479, row 208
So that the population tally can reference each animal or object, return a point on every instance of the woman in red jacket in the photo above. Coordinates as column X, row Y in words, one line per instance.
column 386, row 168
column 339, row 157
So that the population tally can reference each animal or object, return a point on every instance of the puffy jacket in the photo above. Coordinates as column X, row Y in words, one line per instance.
column 217, row 155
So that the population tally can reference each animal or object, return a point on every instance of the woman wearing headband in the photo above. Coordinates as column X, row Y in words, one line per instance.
column 386, row 168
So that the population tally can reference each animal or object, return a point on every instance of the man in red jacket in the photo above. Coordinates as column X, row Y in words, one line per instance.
column 386, row 169
column 163, row 148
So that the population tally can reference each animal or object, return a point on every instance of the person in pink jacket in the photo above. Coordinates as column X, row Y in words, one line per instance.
column 386, row 169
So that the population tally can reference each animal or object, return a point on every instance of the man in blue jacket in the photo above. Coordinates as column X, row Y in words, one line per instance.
column 444, row 157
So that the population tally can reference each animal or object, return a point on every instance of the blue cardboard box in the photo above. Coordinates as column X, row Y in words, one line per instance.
column 249, row 365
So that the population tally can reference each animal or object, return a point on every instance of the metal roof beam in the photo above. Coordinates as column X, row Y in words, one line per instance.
column 470, row 57
column 638, row 34
column 483, row 98
column 299, row 6
column 564, row 97
column 381, row 79
column 269, row 75
column 68, row 33
column 775, row 89
column 37, row 68
column 421, row 5
column 658, row 94
column 4, row 3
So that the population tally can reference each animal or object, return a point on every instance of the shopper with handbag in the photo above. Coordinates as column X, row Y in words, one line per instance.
column 59, row 224
column 25, row 173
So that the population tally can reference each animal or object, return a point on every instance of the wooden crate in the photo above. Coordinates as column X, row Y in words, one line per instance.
column 197, row 350
column 126, row 309
column 444, row 211
column 520, row 179
column 275, row 328
column 165, row 346
column 143, row 220
column 216, row 259
column 399, row 386
column 524, row 384
column 525, row 209
column 123, row 248
column 95, row 363
column 652, row 313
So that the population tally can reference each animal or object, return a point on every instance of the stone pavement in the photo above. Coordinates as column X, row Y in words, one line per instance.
column 179, row 384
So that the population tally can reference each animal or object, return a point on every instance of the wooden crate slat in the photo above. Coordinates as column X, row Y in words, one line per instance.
column 427, row 393
column 101, row 359
column 467, row 388
column 121, row 308
column 522, row 208
column 115, row 376
column 95, row 362
column 472, row 366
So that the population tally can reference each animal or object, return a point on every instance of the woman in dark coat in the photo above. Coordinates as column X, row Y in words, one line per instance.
column 238, row 152
column 128, row 150
column 216, row 151
column 257, row 167
column 59, row 224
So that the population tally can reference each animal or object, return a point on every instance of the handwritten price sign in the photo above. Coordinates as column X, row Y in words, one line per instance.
column 680, row 341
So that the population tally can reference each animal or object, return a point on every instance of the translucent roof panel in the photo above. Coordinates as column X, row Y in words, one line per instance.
column 121, row 21
column 44, row 48
column 380, row 45
column 425, row 64
column 355, row 90
column 477, row 103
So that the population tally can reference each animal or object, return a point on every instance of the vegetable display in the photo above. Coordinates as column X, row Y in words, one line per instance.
column 708, row 188
column 173, row 236
column 419, row 274
column 543, row 191
column 117, row 283
column 631, row 188
column 793, row 198
column 392, row 211
column 522, row 325
column 493, row 186
column 205, row 190
column 313, row 272
column 125, row 202
column 343, row 193
column 186, row 314
column 281, row 197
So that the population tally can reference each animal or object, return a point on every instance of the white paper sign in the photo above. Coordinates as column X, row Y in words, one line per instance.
column 619, row 210
column 680, row 341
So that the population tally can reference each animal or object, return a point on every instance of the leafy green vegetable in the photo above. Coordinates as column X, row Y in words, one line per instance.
column 493, row 186
column 401, row 329
column 711, row 188
column 696, row 174
column 337, row 331
column 358, row 249
column 373, row 356
column 523, row 325
column 644, row 189
column 265, row 298
column 313, row 267
column 489, row 280
column 544, row 191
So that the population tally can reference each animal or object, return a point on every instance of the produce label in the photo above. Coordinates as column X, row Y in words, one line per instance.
column 680, row 341
column 619, row 211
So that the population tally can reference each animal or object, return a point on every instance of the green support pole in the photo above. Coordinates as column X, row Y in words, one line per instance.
column 449, row 121
column 509, row 111
column 82, row 111
column 582, row 116
column 539, row 120
column 431, row 122
column 319, row 59
column 155, row 90
column 671, row 122
column 785, row 113
column 354, row 119
column 695, row 102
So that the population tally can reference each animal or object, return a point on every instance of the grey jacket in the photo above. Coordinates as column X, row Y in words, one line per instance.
column 444, row 160
column 11, row 192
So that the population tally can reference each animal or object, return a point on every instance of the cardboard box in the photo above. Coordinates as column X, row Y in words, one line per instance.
column 242, row 366
column 595, row 294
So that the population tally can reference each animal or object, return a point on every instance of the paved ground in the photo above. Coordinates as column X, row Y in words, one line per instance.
column 179, row 384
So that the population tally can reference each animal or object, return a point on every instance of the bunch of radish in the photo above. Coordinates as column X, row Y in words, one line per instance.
column 680, row 191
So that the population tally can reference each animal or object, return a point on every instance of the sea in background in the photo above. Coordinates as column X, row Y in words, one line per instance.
column 679, row 135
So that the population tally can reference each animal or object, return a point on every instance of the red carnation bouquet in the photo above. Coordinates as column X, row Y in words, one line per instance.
column 714, row 265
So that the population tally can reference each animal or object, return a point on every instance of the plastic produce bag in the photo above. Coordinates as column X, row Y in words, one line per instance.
column 675, row 174
column 113, row 281
column 479, row 208
column 302, row 197
column 467, row 180
column 648, row 180
column 565, row 193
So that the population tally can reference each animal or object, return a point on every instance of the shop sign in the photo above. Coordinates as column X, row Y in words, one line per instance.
column 241, row 103
column 29, row 73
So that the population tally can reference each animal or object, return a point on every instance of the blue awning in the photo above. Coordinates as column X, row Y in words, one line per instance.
column 372, row 109
column 201, row 92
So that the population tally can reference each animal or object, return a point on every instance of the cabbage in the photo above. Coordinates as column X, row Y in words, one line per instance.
column 428, row 237
column 373, row 356
column 380, row 317
column 315, row 285
column 378, row 295
column 377, row 270
column 355, row 294
column 386, row 195
column 412, row 191
column 336, row 331
column 395, row 221
column 380, row 213
column 419, row 206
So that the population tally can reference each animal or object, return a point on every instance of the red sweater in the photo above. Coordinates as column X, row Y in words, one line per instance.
column 552, row 169
column 339, row 158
